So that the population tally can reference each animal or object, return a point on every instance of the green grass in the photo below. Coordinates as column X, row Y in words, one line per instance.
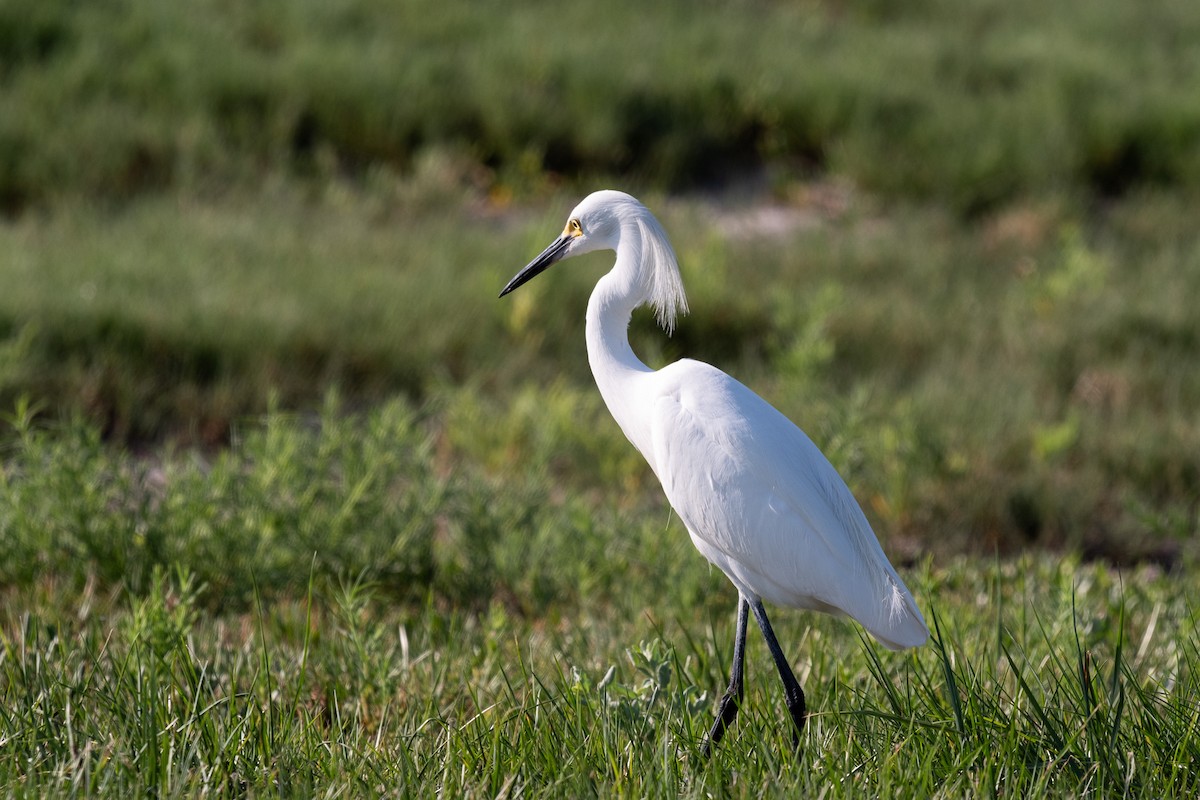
column 1051, row 680
column 981, row 310
column 971, row 104
column 292, row 505
column 1012, row 381
column 346, row 604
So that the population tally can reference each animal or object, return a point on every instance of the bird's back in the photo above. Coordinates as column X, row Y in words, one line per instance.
column 764, row 504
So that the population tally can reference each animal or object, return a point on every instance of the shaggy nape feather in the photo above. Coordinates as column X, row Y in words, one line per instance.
column 660, row 268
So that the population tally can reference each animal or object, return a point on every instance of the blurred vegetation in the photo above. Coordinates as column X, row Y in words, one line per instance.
column 970, row 104
column 279, row 475
column 1027, row 379
column 956, row 242
column 302, row 502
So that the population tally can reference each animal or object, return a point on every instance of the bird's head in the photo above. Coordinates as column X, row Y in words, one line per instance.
column 597, row 224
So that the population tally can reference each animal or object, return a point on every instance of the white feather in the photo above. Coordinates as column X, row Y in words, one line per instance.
column 757, row 496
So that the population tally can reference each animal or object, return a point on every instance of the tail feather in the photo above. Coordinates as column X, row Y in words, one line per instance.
column 902, row 625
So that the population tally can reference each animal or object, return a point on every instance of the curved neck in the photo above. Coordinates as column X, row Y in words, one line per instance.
column 608, row 312
column 608, row 349
column 614, row 365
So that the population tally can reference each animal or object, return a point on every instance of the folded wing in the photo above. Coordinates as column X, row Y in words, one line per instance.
column 764, row 504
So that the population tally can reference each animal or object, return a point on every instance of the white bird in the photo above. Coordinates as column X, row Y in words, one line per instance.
column 759, row 499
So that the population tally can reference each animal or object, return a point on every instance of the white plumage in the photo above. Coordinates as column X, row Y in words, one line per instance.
column 757, row 496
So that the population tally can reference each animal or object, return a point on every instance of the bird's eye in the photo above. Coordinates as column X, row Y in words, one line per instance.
column 574, row 228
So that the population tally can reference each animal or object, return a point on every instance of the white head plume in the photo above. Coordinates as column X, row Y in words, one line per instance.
column 606, row 216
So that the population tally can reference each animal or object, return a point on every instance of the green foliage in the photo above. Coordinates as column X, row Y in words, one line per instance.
column 1042, row 679
column 959, row 248
column 989, row 385
column 972, row 283
column 971, row 104
column 331, row 204
column 327, row 498
column 343, row 496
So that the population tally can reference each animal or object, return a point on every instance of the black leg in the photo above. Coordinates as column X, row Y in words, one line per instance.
column 792, row 692
column 728, row 709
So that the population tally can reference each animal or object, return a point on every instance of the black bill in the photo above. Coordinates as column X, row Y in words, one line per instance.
column 539, row 265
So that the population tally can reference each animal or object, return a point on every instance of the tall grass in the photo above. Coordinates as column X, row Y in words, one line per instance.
column 1052, row 679
column 346, row 603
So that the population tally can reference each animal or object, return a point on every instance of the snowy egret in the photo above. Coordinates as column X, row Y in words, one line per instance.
column 759, row 499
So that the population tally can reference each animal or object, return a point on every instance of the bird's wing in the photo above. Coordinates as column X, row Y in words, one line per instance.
column 768, row 507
